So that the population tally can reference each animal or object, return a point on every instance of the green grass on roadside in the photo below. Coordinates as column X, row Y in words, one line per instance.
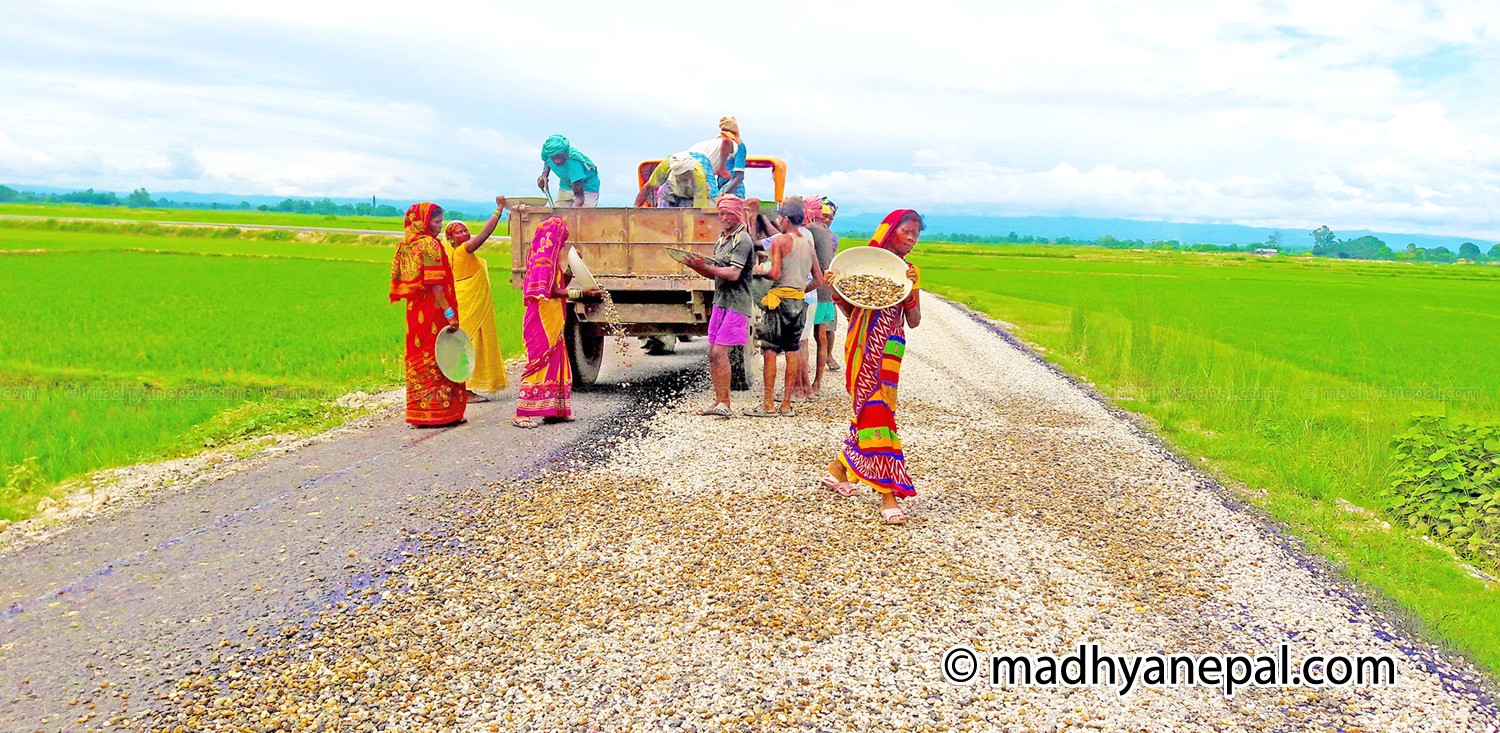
column 124, row 346
column 1291, row 376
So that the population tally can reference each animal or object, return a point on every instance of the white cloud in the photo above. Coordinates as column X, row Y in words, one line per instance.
column 1258, row 112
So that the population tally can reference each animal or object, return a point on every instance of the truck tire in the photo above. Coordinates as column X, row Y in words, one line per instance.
column 585, row 350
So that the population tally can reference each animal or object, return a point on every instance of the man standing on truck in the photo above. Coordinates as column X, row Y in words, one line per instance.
column 729, row 325
column 686, row 181
column 577, row 176
column 726, row 157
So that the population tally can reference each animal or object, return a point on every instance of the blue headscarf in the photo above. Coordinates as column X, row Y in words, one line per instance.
column 558, row 145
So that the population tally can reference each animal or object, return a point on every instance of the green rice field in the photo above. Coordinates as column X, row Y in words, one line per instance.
column 204, row 216
column 123, row 346
column 1288, row 377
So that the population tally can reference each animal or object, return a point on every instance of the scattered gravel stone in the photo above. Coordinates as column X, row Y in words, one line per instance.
column 694, row 576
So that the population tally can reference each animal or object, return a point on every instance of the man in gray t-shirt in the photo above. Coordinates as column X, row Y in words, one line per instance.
column 729, row 324
column 824, row 316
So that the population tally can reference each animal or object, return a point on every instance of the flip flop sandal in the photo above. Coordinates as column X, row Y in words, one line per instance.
column 528, row 424
column 719, row 410
column 758, row 411
column 788, row 412
column 842, row 488
column 814, row 397
column 475, row 398
column 833, row 366
column 894, row 515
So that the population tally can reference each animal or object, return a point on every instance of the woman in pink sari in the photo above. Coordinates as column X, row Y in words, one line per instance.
column 547, row 384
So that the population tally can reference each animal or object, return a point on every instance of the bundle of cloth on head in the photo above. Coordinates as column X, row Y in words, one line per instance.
column 813, row 205
column 732, row 210
column 558, row 145
column 729, row 127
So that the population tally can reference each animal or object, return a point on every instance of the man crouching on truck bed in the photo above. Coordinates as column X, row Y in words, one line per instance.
column 734, row 257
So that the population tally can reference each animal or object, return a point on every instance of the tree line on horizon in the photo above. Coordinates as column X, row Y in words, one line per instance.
column 1325, row 242
column 141, row 199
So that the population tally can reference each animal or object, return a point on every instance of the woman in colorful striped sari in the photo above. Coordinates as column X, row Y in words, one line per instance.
column 421, row 275
column 547, row 384
column 873, row 350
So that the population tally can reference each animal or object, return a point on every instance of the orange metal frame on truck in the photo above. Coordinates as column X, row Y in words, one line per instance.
column 777, row 166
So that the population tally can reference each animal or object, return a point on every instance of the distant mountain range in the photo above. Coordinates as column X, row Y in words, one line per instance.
column 1086, row 229
column 1050, row 227
column 231, row 200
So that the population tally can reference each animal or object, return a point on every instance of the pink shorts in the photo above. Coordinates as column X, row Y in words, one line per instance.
column 727, row 328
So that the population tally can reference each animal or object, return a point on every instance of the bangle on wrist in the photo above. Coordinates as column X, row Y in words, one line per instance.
column 448, row 313
column 574, row 293
column 498, row 213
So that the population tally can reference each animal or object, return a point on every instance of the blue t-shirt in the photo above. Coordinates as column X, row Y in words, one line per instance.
column 574, row 170
column 736, row 166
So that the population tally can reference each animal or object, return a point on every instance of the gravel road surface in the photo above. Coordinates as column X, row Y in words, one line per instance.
column 651, row 569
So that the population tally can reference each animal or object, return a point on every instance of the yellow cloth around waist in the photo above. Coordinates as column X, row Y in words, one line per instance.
column 773, row 299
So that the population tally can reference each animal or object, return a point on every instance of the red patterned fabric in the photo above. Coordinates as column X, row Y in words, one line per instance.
column 873, row 351
column 420, row 262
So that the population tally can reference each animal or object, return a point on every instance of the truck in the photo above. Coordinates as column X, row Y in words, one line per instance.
column 624, row 248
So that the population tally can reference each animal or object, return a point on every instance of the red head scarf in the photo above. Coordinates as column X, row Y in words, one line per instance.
column 406, row 268
column 417, row 217
column 887, row 229
column 457, row 232
column 813, row 208
column 541, row 259
column 732, row 210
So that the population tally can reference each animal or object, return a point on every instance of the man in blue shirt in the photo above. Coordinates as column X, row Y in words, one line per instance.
column 577, row 176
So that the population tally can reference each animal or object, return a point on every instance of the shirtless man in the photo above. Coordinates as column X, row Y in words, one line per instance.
column 783, row 309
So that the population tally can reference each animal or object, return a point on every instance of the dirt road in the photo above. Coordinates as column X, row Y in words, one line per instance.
column 653, row 569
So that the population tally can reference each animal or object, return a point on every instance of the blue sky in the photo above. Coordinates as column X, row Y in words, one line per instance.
column 1375, row 115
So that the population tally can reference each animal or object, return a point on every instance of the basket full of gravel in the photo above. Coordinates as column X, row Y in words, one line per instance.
column 870, row 277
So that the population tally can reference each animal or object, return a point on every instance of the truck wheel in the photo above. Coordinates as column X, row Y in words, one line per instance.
column 585, row 350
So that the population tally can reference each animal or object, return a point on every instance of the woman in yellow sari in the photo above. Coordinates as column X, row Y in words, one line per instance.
column 476, row 305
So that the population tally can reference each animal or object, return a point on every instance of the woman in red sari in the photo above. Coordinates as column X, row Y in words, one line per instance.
column 547, row 384
column 421, row 275
column 873, row 350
